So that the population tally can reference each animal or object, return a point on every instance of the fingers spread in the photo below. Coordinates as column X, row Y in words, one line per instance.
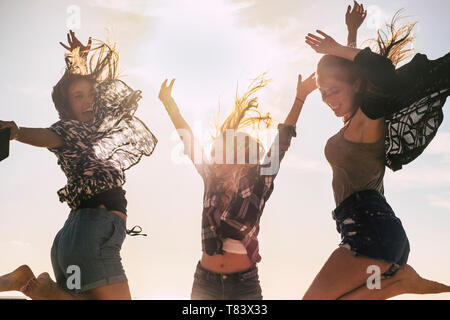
column 171, row 84
column 312, row 41
column 315, row 37
column 65, row 47
column 323, row 33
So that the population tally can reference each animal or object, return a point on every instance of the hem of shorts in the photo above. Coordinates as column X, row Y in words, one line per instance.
column 103, row 282
column 366, row 256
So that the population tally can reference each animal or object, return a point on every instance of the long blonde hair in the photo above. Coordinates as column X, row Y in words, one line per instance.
column 245, row 115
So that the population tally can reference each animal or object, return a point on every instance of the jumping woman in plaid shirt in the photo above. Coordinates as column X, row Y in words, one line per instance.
column 235, row 192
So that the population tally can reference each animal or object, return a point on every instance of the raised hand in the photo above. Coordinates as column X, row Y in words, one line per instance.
column 12, row 126
column 326, row 45
column 355, row 17
column 305, row 87
column 165, row 94
column 75, row 43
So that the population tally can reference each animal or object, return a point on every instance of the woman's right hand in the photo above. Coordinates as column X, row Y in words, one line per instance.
column 326, row 45
column 12, row 126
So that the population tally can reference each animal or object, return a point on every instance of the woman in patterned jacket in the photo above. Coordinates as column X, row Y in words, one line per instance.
column 390, row 116
column 96, row 139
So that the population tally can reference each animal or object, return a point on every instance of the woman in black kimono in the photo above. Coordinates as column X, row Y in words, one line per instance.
column 390, row 116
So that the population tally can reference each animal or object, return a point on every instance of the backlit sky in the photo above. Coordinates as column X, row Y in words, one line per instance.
column 209, row 46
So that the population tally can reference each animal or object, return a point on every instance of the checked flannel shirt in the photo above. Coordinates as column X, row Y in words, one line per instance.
column 240, row 219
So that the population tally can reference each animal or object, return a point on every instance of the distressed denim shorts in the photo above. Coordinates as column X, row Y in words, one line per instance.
column 86, row 251
column 209, row 285
column 369, row 227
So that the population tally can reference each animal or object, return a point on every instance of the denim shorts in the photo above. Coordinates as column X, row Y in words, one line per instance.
column 369, row 228
column 86, row 251
column 220, row 286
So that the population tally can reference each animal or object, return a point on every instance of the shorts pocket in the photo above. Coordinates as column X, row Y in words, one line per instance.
column 113, row 244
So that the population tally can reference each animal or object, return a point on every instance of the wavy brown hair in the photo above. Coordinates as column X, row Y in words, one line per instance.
column 97, row 65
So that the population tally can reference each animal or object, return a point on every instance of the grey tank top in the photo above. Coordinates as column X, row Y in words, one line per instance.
column 356, row 166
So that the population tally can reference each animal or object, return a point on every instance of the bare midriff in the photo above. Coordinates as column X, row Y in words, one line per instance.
column 120, row 214
column 226, row 263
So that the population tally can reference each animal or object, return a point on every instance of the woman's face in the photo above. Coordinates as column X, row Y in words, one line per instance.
column 338, row 95
column 81, row 99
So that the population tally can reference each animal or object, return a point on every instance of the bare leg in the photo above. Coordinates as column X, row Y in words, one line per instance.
column 406, row 280
column 342, row 273
column 15, row 280
column 44, row 288
column 115, row 291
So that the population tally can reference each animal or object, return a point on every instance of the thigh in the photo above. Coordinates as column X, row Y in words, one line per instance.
column 342, row 273
column 115, row 291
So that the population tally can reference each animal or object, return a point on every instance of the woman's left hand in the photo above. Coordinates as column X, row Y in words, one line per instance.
column 326, row 45
column 355, row 17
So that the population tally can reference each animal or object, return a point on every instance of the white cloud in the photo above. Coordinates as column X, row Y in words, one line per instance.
column 19, row 243
column 441, row 146
column 413, row 177
column 439, row 201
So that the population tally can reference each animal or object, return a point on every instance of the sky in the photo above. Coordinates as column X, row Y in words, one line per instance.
column 211, row 47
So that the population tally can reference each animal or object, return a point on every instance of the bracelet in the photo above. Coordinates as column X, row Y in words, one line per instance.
column 297, row 98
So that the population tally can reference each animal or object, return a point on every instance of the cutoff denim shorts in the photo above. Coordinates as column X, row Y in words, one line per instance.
column 369, row 228
column 209, row 285
column 88, row 246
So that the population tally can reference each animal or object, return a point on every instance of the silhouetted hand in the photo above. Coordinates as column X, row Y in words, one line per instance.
column 304, row 88
column 326, row 45
column 75, row 43
column 355, row 17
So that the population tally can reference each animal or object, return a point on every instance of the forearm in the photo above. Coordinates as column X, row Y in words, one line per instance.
column 175, row 115
column 295, row 111
column 351, row 38
column 39, row 137
column 345, row 52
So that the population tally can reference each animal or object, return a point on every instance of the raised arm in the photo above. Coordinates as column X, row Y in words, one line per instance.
column 38, row 137
column 286, row 130
column 183, row 128
column 382, row 81
column 353, row 19
column 304, row 88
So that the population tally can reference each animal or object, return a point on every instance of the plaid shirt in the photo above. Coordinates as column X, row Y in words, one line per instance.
column 240, row 219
